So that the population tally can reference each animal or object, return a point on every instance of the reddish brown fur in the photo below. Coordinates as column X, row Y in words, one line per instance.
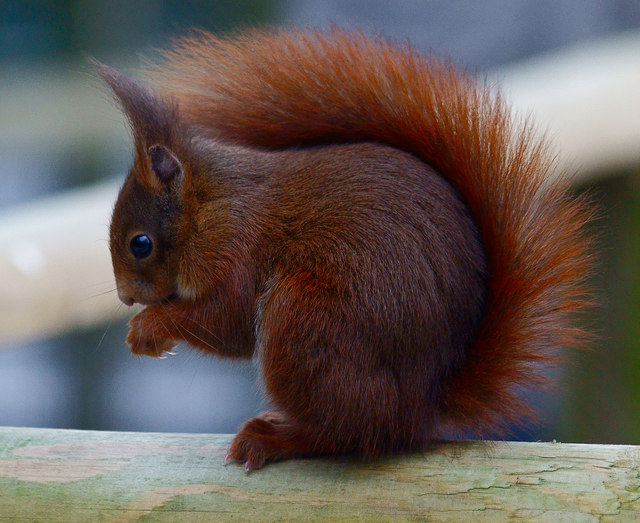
column 380, row 320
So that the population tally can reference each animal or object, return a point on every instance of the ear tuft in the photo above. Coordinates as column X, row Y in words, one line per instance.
column 164, row 163
column 153, row 118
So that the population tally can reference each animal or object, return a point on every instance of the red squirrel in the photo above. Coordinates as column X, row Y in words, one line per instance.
column 372, row 225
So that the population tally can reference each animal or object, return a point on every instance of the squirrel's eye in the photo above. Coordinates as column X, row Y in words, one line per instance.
column 141, row 246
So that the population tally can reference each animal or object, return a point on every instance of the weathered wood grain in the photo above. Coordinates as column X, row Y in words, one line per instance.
column 64, row 475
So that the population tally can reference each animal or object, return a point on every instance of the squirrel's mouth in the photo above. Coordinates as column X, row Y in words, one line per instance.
column 152, row 301
column 172, row 297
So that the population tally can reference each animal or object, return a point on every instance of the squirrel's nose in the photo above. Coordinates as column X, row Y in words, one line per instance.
column 125, row 298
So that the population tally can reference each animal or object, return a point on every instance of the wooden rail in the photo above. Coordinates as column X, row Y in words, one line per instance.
column 65, row 475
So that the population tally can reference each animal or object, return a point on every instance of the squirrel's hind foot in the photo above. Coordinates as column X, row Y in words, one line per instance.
column 266, row 438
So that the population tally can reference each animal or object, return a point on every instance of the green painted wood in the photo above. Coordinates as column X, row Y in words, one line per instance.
column 68, row 475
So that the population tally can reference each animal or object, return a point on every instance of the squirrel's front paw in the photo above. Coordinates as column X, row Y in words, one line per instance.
column 146, row 336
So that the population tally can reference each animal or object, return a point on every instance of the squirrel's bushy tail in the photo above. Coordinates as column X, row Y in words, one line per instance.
column 293, row 88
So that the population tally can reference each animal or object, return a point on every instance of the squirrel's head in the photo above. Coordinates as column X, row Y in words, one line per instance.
column 148, row 215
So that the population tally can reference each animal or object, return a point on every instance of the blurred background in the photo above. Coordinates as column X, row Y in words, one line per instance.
column 62, row 145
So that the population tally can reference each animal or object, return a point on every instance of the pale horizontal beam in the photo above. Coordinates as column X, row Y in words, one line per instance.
column 587, row 98
column 55, row 266
column 64, row 475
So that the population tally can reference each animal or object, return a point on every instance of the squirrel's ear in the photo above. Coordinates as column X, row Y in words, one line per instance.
column 165, row 164
column 153, row 119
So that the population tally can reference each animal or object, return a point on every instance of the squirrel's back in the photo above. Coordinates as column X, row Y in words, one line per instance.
column 392, row 241
column 293, row 89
